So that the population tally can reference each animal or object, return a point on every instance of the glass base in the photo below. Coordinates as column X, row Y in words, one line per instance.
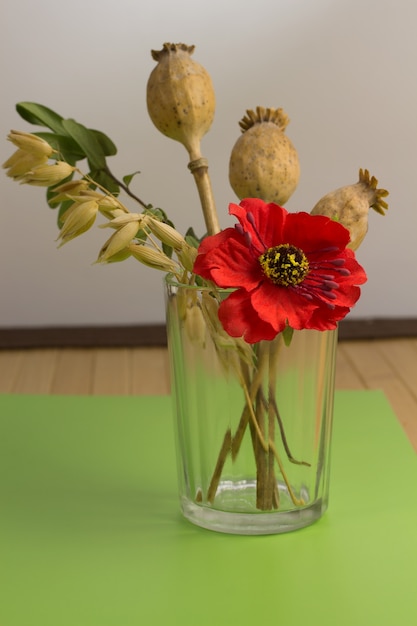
column 241, row 522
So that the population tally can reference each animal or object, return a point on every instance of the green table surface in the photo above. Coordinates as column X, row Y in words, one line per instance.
column 91, row 534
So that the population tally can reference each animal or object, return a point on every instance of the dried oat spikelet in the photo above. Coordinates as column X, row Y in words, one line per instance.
column 181, row 103
column 350, row 206
column 264, row 163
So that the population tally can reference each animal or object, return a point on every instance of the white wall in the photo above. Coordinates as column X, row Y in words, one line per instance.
column 344, row 71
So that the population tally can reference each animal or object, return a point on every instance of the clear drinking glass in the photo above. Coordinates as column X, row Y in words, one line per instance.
column 252, row 422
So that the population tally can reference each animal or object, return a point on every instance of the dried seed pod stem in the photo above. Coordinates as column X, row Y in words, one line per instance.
column 199, row 169
column 181, row 104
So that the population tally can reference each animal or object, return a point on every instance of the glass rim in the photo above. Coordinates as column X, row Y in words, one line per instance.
column 172, row 281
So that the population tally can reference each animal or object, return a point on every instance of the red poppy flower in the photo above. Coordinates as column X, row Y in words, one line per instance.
column 287, row 269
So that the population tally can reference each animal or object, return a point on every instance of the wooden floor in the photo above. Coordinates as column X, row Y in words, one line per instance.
column 389, row 364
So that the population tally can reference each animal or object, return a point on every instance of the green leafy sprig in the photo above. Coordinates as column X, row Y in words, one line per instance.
column 75, row 142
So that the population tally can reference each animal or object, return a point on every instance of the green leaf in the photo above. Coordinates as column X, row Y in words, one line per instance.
column 42, row 116
column 50, row 194
column 167, row 250
column 109, row 148
column 194, row 243
column 287, row 334
column 191, row 238
column 128, row 178
column 199, row 281
column 64, row 207
column 141, row 235
column 102, row 178
column 155, row 212
column 67, row 148
column 159, row 214
column 88, row 142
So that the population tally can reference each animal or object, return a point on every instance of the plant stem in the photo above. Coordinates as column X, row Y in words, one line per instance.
column 284, row 437
column 253, row 390
column 270, row 445
column 272, row 482
column 259, row 413
column 261, row 457
column 199, row 169
column 125, row 188
column 227, row 441
column 232, row 445
column 275, row 350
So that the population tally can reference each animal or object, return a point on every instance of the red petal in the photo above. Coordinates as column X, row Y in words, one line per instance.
column 281, row 305
column 357, row 273
column 267, row 222
column 326, row 319
column 240, row 319
column 227, row 261
column 315, row 233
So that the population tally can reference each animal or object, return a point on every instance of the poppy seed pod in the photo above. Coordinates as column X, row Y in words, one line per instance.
column 264, row 163
column 350, row 206
column 180, row 96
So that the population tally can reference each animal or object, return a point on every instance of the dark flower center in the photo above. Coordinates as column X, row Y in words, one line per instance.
column 285, row 264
